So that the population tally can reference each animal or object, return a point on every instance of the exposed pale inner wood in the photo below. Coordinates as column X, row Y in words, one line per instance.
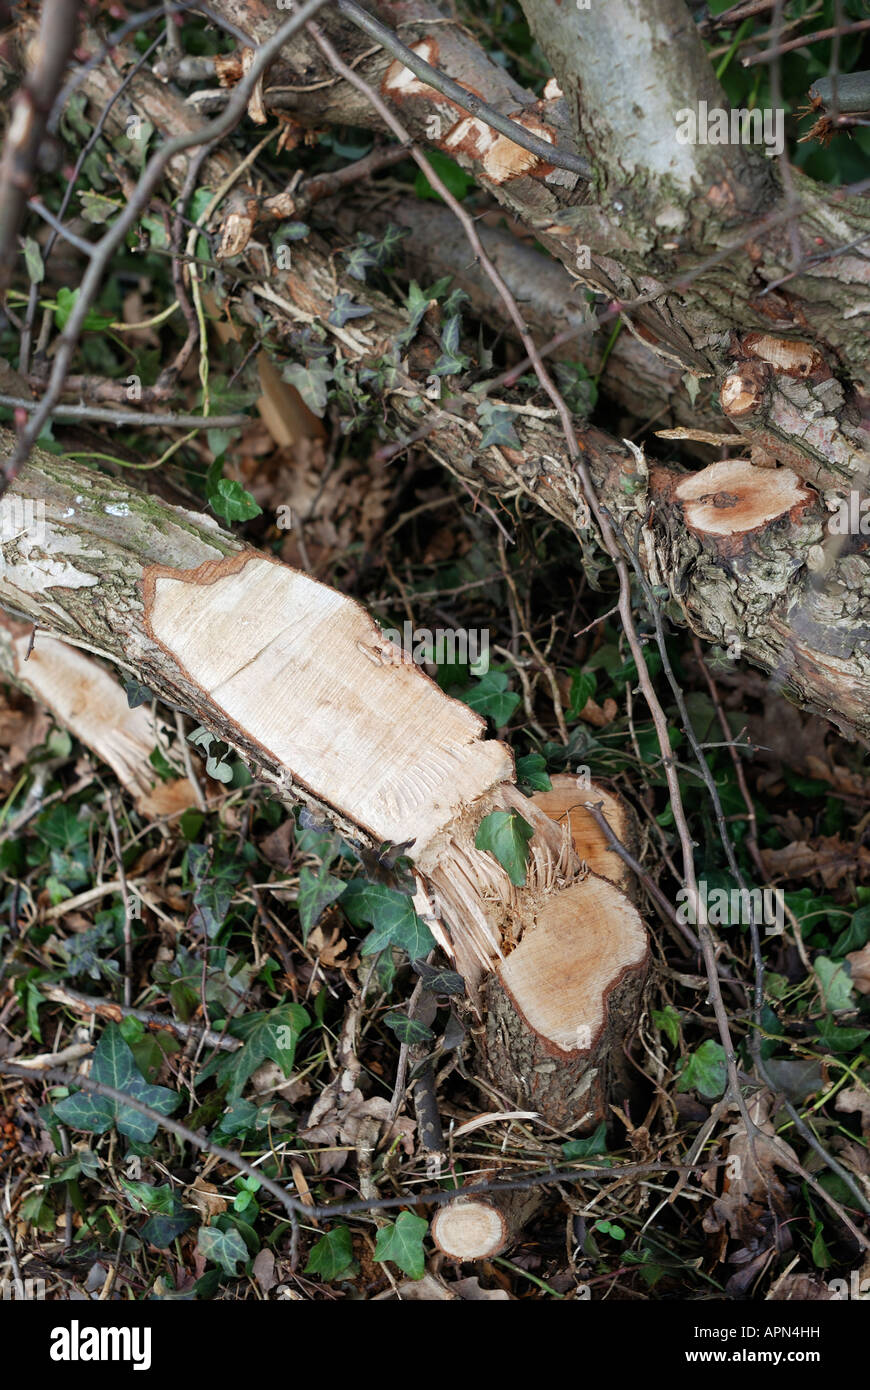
column 733, row 496
column 93, row 706
column 469, row 1230
column 564, row 802
column 563, row 969
column 309, row 676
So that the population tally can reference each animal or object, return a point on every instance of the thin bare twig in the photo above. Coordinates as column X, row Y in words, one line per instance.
column 120, row 418
column 28, row 122
column 474, row 105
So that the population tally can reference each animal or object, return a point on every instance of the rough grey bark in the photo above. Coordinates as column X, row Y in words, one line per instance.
column 626, row 67
column 642, row 231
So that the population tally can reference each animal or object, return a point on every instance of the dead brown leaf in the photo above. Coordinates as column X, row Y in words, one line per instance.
column 206, row 1198
column 754, row 1203
column 337, row 1118
column 827, row 857
column 856, row 1098
column 859, row 962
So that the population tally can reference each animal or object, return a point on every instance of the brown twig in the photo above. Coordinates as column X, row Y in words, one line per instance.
column 125, row 894
column 770, row 54
column 28, row 122
column 107, row 1008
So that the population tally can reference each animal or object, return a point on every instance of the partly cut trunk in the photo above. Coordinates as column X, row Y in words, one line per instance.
column 559, row 1009
column 566, row 801
column 304, row 685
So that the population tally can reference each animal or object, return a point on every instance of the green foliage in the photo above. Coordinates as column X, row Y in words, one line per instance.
column 311, row 381
column 316, row 891
column 491, row 697
column 215, row 877
column 223, row 1247
column 407, row 1030
column 266, row 1035
column 452, row 361
column 66, row 300
column 344, row 310
column 392, row 916
column 332, row 1256
column 836, row 982
column 506, row 836
column 532, row 775
column 227, row 498
column 455, row 180
column 583, row 685
column 113, row 1065
column 704, row 1070
column 498, row 426
column 590, row 1147
column 667, row 1020
column 402, row 1243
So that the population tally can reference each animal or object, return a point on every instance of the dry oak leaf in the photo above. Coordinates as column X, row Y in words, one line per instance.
column 751, row 1188
column 337, row 1118
column 859, row 962
column 206, row 1198
column 829, row 857
column 856, row 1098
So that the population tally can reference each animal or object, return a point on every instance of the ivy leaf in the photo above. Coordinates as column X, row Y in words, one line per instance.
column 362, row 257
column 227, row 498
column 452, row 176
column 161, row 1230
column 168, row 1218
column 704, row 1070
column 498, row 426
column 403, row 1244
column 583, row 685
column 267, row 1035
column 137, row 693
column 113, row 1065
column 66, row 300
column 224, row 1248
column 589, row 1147
column 855, row 936
column 667, row 1020
column 491, row 697
column 416, row 304
column 438, row 980
column 836, row 982
column 147, row 1196
column 506, row 836
column 407, row 1030
column 316, row 892
column 836, row 1038
column 577, row 387
column 214, row 886
column 452, row 361
column 332, row 1256
column 344, row 309
column 97, row 208
column 311, row 381
column 392, row 916
column 386, row 248
column 33, row 261
column 532, row 773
